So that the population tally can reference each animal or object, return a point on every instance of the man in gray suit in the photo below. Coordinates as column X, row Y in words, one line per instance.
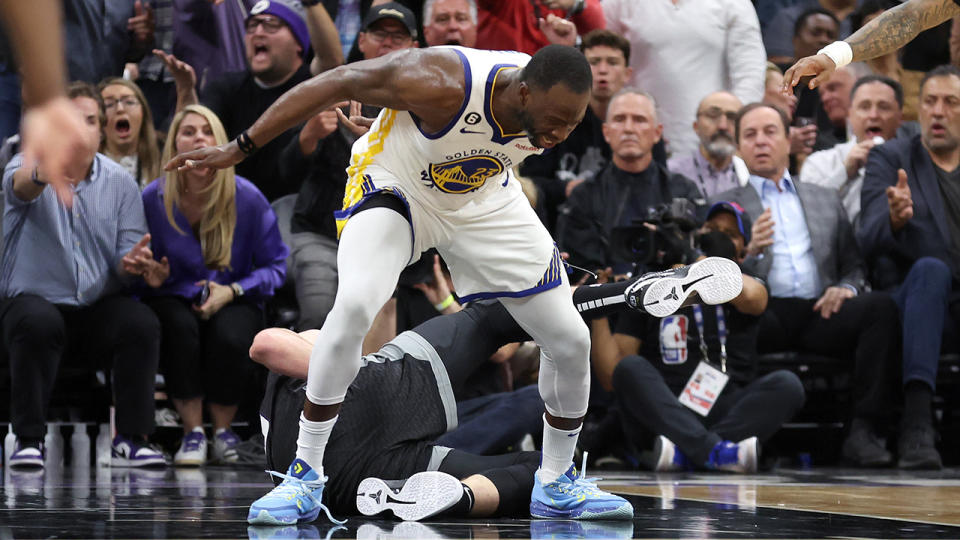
column 803, row 245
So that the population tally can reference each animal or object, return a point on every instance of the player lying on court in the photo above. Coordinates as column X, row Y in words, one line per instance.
column 435, row 170
column 402, row 400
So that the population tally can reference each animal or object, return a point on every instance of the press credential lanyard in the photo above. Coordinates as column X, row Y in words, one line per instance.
column 721, row 335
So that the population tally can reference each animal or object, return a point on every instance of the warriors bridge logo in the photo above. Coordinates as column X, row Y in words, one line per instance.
column 463, row 175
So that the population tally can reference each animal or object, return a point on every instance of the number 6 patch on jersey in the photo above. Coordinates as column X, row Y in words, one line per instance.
column 673, row 339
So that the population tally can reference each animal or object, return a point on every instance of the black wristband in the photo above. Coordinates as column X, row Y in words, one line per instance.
column 246, row 143
column 309, row 3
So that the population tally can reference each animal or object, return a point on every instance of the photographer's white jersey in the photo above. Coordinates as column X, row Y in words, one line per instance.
column 459, row 186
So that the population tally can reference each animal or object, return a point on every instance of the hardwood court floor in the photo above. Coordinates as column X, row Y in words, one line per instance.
column 212, row 503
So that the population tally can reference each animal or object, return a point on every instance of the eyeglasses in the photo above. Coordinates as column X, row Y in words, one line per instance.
column 128, row 102
column 271, row 25
column 397, row 38
column 714, row 113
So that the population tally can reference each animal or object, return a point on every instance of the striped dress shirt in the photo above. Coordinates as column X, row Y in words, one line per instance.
column 70, row 256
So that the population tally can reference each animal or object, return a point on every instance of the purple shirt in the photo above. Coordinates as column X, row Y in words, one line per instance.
column 258, row 259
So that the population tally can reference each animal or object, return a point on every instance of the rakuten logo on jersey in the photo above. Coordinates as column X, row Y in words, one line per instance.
column 527, row 148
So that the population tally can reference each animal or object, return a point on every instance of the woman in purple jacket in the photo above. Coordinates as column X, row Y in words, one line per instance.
column 217, row 256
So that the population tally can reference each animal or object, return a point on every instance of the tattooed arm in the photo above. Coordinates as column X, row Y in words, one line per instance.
column 893, row 29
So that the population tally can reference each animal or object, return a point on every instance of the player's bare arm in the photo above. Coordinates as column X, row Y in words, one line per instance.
column 427, row 82
column 893, row 29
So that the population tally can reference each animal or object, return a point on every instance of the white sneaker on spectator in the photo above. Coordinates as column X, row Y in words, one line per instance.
column 27, row 456
column 130, row 453
column 193, row 449
column 225, row 444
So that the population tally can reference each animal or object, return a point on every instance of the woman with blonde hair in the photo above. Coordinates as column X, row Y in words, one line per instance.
column 216, row 256
column 129, row 137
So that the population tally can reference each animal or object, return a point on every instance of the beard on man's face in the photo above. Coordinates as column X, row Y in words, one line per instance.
column 529, row 129
column 721, row 145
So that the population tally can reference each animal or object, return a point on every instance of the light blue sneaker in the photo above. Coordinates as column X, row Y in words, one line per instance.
column 296, row 499
column 573, row 496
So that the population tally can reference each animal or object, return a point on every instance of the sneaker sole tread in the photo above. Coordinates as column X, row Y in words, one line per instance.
column 423, row 495
column 715, row 280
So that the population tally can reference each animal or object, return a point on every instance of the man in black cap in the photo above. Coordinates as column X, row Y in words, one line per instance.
column 387, row 28
column 653, row 361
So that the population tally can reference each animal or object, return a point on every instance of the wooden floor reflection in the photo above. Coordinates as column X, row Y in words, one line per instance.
column 930, row 499
column 212, row 502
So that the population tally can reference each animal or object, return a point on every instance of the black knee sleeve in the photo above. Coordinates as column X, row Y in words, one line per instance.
column 514, row 484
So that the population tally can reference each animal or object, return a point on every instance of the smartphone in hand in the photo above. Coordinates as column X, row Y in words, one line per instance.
column 204, row 294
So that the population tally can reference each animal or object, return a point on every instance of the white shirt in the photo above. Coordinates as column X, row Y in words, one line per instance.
column 682, row 52
column 826, row 168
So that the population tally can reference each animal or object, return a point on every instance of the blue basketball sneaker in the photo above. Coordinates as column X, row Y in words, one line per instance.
column 297, row 498
column 738, row 457
column 573, row 496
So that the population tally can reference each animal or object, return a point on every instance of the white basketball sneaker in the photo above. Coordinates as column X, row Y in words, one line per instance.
column 714, row 280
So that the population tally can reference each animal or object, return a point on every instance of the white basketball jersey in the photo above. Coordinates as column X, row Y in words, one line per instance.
column 469, row 159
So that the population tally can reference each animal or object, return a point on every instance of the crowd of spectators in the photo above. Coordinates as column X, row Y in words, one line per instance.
column 841, row 204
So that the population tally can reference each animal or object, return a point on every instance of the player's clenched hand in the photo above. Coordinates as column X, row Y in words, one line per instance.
column 820, row 66
column 213, row 157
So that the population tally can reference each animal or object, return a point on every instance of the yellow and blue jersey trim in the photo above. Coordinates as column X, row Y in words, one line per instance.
column 360, row 185
column 468, row 87
column 553, row 277
column 499, row 136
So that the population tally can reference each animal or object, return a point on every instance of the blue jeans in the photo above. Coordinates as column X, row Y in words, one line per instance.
column 923, row 299
column 9, row 103
column 489, row 424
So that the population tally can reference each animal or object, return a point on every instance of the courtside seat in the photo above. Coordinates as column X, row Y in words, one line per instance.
column 282, row 309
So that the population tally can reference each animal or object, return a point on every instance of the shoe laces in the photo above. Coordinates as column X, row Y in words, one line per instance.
column 192, row 442
column 293, row 487
column 582, row 484
column 228, row 438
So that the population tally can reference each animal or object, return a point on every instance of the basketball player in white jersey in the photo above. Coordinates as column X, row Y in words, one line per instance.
column 435, row 171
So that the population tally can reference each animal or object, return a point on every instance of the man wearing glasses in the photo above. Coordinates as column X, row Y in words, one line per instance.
column 276, row 44
column 711, row 166
column 387, row 28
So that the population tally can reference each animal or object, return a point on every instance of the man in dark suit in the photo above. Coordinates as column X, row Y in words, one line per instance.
column 910, row 233
column 803, row 245
column 631, row 186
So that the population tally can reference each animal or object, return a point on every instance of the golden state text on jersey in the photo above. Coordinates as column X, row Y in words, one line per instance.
column 465, row 171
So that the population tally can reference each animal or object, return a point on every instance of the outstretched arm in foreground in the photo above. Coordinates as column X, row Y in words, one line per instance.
column 893, row 29
column 424, row 81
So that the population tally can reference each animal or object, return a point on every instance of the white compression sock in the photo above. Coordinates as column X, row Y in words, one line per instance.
column 558, row 447
column 312, row 441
